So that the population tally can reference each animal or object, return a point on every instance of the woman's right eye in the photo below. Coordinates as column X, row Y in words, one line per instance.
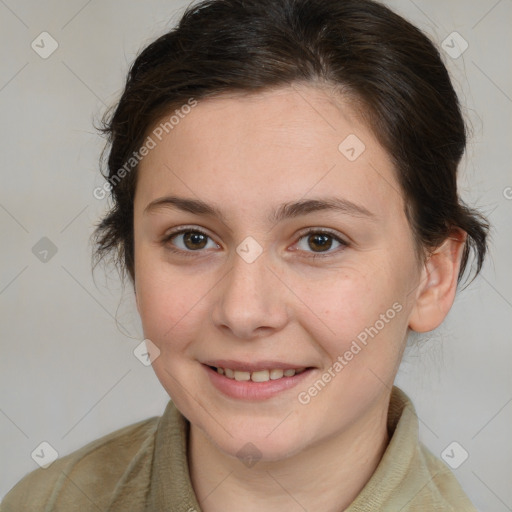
column 187, row 241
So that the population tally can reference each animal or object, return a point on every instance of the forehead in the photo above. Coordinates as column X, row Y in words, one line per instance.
column 254, row 151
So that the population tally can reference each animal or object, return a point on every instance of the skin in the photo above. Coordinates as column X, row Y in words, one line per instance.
column 248, row 154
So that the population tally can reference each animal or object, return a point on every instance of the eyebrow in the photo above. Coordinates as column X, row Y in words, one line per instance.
column 284, row 211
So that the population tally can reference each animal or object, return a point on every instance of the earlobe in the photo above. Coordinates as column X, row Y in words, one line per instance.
column 438, row 284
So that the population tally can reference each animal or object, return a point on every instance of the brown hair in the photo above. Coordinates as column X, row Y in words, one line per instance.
column 394, row 70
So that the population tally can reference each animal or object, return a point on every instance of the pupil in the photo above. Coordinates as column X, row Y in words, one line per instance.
column 325, row 241
column 195, row 237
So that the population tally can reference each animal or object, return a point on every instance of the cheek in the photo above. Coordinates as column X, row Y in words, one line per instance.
column 350, row 300
column 171, row 311
column 359, row 317
column 169, row 304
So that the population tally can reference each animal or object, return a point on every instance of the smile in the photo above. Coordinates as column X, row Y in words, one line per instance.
column 258, row 375
column 255, row 385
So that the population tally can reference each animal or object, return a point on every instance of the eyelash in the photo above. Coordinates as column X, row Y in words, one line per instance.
column 165, row 241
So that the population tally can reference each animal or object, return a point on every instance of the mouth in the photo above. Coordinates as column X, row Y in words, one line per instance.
column 255, row 381
column 263, row 375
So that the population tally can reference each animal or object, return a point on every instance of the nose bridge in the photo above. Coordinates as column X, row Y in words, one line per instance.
column 248, row 299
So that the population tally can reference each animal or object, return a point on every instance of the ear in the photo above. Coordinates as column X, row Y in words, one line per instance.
column 438, row 284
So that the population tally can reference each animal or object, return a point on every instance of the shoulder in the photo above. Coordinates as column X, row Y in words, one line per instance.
column 85, row 479
column 423, row 481
column 444, row 484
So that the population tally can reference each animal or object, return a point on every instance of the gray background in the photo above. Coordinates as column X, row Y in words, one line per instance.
column 67, row 370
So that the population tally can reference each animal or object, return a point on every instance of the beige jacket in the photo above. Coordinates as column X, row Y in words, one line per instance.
column 143, row 468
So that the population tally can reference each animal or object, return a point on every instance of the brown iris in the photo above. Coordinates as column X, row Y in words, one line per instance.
column 321, row 241
column 195, row 238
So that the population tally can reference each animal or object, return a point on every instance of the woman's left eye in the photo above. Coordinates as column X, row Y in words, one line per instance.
column 321, row 241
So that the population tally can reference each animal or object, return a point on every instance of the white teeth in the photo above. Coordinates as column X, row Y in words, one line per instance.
column 276, row 374
column 260, row 375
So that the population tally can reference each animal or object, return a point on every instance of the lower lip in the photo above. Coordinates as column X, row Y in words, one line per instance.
column 249, row 390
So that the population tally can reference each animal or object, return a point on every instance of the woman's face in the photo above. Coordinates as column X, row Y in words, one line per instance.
column 258, row 284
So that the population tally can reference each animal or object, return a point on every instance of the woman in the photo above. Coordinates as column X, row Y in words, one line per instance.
column 283, row 175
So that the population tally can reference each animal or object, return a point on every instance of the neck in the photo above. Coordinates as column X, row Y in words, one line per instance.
column 326, row 476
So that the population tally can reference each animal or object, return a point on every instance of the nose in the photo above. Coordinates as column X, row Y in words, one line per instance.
column 251, row 300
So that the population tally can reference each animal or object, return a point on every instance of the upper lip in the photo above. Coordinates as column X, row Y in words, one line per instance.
column 253, row 366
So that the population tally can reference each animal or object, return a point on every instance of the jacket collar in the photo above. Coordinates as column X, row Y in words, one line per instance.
column 402, row 477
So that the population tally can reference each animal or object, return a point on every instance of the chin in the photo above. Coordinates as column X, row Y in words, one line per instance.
column 264, row 440
column 250, row 450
